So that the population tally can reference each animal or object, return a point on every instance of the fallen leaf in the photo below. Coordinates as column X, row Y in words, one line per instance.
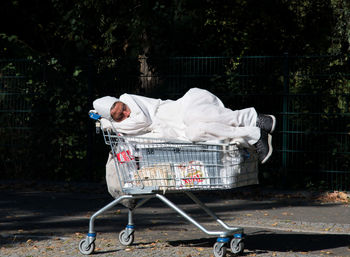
column 79, row 235
column 343, row 196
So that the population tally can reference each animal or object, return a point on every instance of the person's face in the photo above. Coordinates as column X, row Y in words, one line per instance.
column 120, row 112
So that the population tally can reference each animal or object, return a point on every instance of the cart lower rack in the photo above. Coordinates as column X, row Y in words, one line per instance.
column 146, row 168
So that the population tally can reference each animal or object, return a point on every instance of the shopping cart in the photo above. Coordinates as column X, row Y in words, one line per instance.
column 150, row 168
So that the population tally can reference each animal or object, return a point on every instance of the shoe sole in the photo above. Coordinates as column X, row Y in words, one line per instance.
column 269, row 141
column 273, row 123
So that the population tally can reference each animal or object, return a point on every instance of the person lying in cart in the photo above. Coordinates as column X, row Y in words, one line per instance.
column 197, row 116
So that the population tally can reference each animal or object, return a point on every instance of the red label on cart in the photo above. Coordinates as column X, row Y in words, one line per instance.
column 193, row 178
column 124, row 156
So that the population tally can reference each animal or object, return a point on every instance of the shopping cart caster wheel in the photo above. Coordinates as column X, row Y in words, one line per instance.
column 219, row 250
column 86, row 249
column 237, row 246
column 125, row 239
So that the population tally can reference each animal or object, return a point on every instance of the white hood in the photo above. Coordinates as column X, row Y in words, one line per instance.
column 103, row 105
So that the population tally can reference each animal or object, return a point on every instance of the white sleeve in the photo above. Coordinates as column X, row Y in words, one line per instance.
column 135, row 124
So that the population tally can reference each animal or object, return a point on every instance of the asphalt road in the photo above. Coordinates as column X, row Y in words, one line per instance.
column 51, row 223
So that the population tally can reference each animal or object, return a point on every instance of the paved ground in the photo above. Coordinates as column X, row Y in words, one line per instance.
column 51, row 222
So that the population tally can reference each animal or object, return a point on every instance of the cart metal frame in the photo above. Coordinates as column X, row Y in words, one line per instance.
column 233, row 236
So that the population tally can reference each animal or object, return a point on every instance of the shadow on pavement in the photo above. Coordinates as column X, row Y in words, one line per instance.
column 267, row 241
column 45, row 215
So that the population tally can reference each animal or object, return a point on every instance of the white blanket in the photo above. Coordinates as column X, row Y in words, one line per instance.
column 197, row 116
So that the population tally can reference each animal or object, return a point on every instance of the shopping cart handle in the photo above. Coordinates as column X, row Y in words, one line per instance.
column 94, row 115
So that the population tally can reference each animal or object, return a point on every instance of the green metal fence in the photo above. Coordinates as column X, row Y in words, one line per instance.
column 308, row 94
column 15, row 114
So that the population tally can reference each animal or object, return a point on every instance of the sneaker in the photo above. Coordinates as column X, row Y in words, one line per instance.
column 264, row 146
column 266, row 122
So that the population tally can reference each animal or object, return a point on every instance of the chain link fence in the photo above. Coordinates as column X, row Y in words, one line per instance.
column 45, row 128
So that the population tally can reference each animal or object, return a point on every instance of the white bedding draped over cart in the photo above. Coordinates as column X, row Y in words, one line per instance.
column 197, row 116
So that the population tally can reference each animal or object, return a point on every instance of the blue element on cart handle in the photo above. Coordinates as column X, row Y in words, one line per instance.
column 91, row 234
column 94, row 116
column 130, row 226
column 223, row 239
column 238, row 235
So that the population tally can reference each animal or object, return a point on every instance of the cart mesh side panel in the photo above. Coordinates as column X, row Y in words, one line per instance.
column 149, row 165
